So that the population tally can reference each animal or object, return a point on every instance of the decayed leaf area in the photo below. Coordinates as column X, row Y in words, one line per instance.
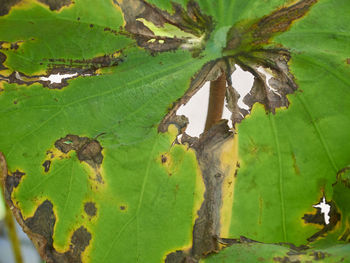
column 99, row 167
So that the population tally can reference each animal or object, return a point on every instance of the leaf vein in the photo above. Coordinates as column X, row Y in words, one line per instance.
column 280, row 176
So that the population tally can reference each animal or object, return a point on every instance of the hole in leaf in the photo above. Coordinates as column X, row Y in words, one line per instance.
column 57, row 78
column 226, row 114
column 196, row 111
column 325, row 209
column 196, row 108
column 242, row 82
column 52, row 81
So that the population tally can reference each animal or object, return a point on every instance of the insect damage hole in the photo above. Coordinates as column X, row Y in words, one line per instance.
column 196, row 108
column 325, row 209
column 57, row 78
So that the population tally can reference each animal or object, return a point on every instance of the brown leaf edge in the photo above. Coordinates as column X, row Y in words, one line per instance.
column 39, row 228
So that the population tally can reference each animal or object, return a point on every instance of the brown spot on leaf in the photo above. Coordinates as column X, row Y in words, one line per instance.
column 91, row 153
column 43, row 221
column 245, row 45
column 71, row 142
column 40, row 227
column 23, row 79
column 4, row 45
column 14, row 46
column 46, row 165
column 295, row 165
column 6, row 5
column 261, row 31
column 318, row 255
column 90, row 208
column 342, row 176
column 2, row 60
column 163, row 159
column 345, row 236
column 274, row 93
column 207, row 225
column 76, row 68
column 88, row 150
column 190, row 20
column 180, row 122
column 110, row 30
column 15, row 178
column 98, row 178
column 122, row 207
column 56, row 5
column 280, row 20
column 318, row 218
column 348, row 61
column 80, row 240
column 178, row 257
column 91, row 25
column 12, row 181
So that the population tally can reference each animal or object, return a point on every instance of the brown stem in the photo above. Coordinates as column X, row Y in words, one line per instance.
column 11, row 227
column 216, row 101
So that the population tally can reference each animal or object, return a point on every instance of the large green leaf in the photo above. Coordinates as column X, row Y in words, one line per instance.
column 134, row 198
column 289, row 160
column 95, row 169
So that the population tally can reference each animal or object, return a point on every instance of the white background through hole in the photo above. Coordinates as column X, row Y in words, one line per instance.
column 57, row 78
column 325, row 209
column 196, row 109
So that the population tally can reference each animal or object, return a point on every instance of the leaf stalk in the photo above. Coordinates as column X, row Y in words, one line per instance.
column 216, row 101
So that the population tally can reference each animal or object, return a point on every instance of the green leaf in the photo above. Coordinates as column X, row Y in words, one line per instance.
column 97, row 171
column 73, row 33
column 289, row 160
column 132, row 198
column 259, row 252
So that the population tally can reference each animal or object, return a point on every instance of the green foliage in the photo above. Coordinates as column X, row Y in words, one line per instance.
column 95, row 170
